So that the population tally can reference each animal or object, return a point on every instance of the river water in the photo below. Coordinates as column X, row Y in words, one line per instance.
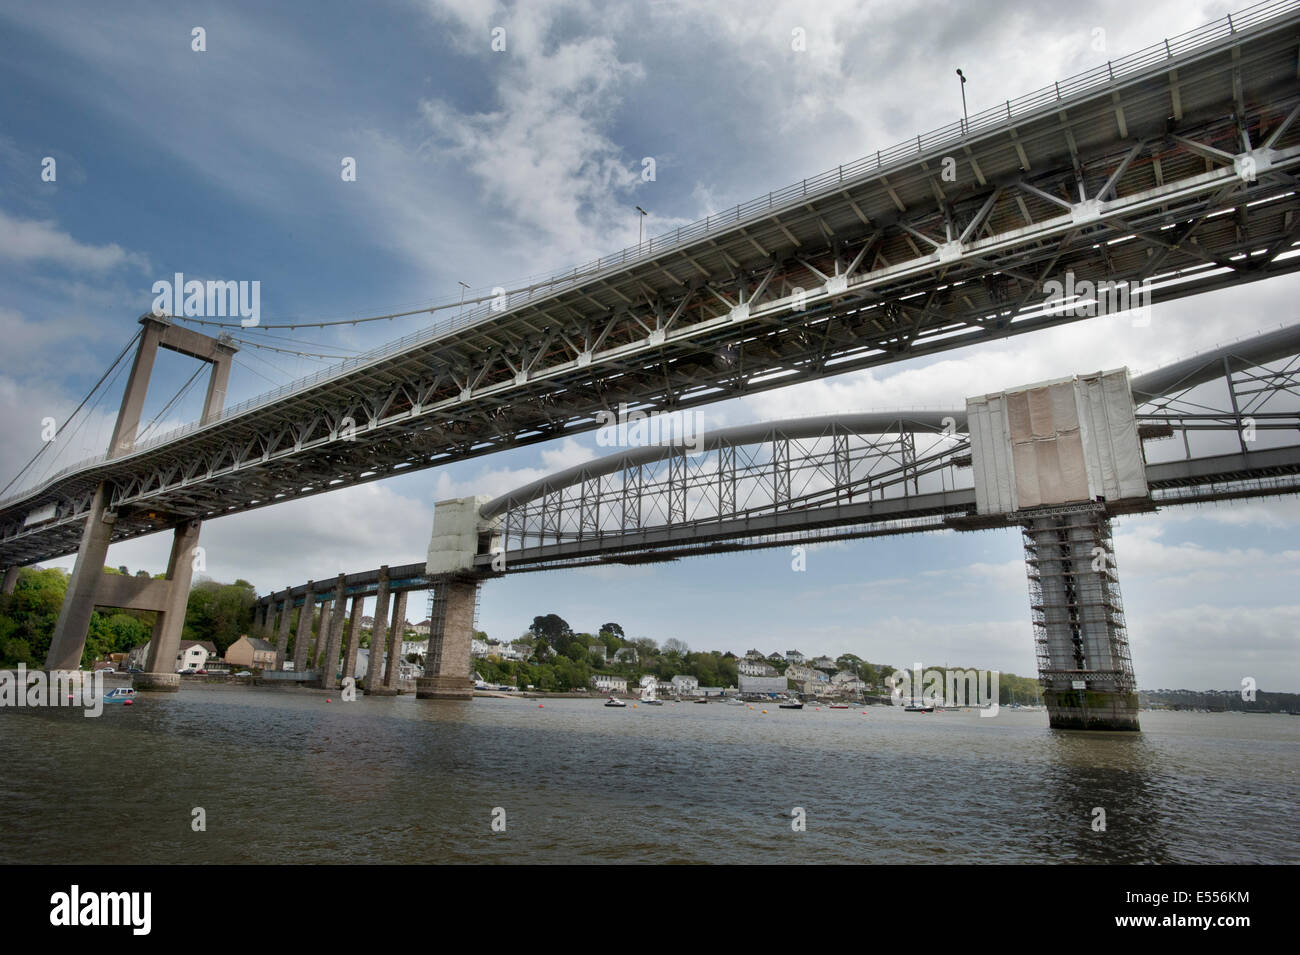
column 284, row 776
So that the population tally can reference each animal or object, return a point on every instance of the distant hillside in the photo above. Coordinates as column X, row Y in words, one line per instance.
column 1221, row 701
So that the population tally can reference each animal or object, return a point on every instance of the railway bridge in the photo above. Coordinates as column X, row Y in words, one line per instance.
column 1165, row 173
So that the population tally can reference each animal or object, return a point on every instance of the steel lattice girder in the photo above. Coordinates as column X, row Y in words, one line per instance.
column 1140, row 180
column 857, row 475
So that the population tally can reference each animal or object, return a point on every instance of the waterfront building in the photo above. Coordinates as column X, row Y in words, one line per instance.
column 607, row 683
column 251, row 652
column 762, row 684
column 682, row 684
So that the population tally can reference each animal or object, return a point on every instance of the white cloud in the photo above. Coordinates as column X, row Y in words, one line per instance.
column 29, row 242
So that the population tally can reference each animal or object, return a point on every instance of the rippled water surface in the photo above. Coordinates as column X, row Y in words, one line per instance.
column 285, row 776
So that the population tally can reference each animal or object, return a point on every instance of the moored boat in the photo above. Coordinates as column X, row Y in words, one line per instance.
column 615, row 703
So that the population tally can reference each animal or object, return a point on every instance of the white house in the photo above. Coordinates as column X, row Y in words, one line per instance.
column 793, row 656
column 755, row 668
column 847, row 680
column 806, row 674
column 609, row 684
column 191, row 654
column 625, row 655
column 684, row 684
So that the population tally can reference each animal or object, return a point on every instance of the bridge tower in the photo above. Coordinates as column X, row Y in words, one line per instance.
column 459, row 534
column 1079, row 631
column 89, row 587
column 1059, row 458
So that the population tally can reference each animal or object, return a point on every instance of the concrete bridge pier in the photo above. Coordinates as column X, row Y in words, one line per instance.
column 1082, row 643
column 447, row 664
column 385, row 654
column 160, row 665
column 69, row 639
column 11, row 580
column 302, row 637
column 332, row 638
column 378, row 634
column 460, row 534
column 282, row 638
column 322, row 633
column 396, row 631
column 354, row 637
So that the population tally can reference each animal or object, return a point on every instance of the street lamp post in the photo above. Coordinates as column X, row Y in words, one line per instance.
column 463, row 289
column 640, row 227
column 965, row 120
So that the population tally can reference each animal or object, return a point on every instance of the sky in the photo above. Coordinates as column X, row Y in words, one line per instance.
column 480, row 166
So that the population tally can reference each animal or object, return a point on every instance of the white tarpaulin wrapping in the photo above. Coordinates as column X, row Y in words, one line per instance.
column 455, row 535
column 1116, row 469
column 991, row 455
column 1058, row 442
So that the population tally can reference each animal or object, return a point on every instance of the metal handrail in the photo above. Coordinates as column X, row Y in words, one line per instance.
column 878, row 163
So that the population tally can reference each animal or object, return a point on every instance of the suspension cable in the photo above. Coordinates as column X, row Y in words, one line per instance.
column 59, row 431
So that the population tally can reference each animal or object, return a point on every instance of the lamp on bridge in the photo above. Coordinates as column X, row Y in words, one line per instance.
column 964, row 118
column 640, row 227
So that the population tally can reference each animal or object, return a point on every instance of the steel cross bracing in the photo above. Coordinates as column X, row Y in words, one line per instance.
column 1178, row 170
column 1223, row 425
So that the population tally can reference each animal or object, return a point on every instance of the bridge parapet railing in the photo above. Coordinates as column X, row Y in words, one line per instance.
column 882, row 161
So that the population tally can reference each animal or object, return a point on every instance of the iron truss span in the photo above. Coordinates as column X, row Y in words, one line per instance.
column 1167, row 173
column 1222, row 425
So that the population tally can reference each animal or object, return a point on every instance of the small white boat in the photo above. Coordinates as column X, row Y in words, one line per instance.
column 648, row 696
column 615, row 703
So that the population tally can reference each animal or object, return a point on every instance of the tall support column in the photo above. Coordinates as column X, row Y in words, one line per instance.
column 160, row 665
column 451, row 630
column 354, row 637
column 11, row 579
column 396, row 633
column 322, row 633
column 282, row 640
column 302, row 637
column 378, row 633
column 69, row 639
column 1082, row 641
column 330, row 674
column 272, row 618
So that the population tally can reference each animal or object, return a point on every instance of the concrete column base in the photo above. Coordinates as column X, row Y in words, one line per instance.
column 1091, row 710
column 444, row 688
column 163, row 682
column 384, row 691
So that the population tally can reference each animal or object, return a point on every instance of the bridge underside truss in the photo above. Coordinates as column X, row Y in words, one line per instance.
column 1180, row 174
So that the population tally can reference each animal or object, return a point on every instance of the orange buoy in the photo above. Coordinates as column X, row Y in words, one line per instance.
column 765, row 711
